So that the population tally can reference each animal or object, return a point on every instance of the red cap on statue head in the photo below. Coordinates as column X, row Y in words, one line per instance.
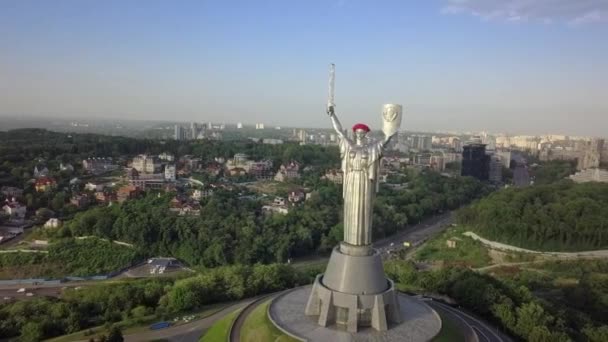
column 361, row 126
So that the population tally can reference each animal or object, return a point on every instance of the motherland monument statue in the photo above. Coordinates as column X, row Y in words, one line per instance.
column 354, row 291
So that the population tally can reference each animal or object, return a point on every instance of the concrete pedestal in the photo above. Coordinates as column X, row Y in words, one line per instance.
column 354, row 291
column 419, row 322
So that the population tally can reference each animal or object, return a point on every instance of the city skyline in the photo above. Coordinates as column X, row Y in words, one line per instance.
column 501, row 66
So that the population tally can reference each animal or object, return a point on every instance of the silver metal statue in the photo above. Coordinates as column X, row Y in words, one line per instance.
column 361, row 167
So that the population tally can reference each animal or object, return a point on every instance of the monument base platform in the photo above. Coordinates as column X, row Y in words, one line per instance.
column 418, row 321
column 354, row 291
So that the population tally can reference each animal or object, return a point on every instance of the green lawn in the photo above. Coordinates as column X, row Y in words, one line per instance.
column 219, row 330
column 467, row 252
column 258, row 328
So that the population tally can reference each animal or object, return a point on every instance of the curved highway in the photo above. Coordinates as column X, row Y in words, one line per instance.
column 484, row 332
column 235, row 331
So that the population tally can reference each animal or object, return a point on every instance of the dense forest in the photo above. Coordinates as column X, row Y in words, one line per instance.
column 547, row 172
column 44, row 317
column 563, row 216
column 510, row 304
column 85, row 257
column 231, row 229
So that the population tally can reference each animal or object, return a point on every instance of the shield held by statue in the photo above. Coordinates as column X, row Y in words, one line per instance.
column 391, row 117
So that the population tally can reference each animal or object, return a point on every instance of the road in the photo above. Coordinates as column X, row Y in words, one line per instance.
column 416, row 234
column 235, row 332
column 602, row 253
column 35, row 290
column 484, row 332
column 189, row 332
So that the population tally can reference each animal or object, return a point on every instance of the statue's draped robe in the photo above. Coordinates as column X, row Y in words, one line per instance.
column 360, row 165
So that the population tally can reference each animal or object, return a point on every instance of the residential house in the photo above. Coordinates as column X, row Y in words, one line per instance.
column 287, row 172
column 9, row 192
column 145, row 164
column 127, row 192
column 197, row 195
column 185, row 206
column 44, row 184
column 106, row 197
column 145, row 181
column 214, row 169
column 94, row 186
column 14, row 210
column 52, row 223
column 296, row 196
column 166, row 156
column 261, row 170
column 79, row 200
column 335, row 176
column 98, row 165
column 275, row 209
column 66, row 167
column 278, row 201
column 237, row 171
column 40, row 171
column 170, row 173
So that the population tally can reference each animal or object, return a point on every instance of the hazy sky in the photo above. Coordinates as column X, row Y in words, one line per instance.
column 520, row 66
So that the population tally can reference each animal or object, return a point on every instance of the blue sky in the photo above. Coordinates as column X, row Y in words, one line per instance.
column 518, row 66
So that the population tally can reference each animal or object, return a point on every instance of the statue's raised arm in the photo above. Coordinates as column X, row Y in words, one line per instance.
column 335, row 122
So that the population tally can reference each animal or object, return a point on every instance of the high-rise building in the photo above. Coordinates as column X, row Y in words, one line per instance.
column 505, row 157
column 302, row 135
column 495, row 169
column 179, row 133
column 421, row 142
column 457, row 145
column 475, row 162
column 193, row 130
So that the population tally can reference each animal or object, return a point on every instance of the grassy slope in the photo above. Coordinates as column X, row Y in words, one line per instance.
column 468, row 252
column 258, row 328
column 219, row 330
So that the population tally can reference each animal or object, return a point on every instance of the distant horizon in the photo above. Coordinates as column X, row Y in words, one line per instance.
column 267, row 126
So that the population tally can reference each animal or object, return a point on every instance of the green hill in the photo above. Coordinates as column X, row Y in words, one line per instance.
column 563, row 216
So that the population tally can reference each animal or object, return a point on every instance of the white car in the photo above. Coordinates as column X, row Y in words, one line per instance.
column 21, row 290
column 29, row 294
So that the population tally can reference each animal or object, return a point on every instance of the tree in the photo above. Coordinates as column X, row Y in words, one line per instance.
column 596, row 334
column 531, row 316
column 32, row 332
column 115, row 334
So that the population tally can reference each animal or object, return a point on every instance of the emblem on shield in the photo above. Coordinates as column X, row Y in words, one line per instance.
column 391, row 115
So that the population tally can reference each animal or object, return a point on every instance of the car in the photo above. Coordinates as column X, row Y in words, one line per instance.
column 406, row 244
column 392, row 244
column 21, row 290
column 29, row 294
column 7, row 298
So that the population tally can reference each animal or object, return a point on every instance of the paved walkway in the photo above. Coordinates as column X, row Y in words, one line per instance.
column 564, row 255
column 420, row 322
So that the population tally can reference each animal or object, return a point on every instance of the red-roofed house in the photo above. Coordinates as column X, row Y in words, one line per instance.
column 45, row 183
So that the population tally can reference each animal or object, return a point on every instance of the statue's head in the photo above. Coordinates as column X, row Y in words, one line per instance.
column 360, row 131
